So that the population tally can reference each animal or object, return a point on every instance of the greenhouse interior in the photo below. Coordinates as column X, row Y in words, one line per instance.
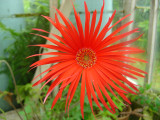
column 79, row 60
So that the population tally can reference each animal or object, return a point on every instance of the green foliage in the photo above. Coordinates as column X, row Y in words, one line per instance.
column 4, row 93
column 148, row 99
column 142, row 42
column 142, row 22
column 4, row 28
column 36, row 6
column 17, row 52
column 16, row 55
column 25, row 92
column 35, row 107
column 2, row 117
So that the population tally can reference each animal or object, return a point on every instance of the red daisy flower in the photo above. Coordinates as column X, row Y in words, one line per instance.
column 87, row 56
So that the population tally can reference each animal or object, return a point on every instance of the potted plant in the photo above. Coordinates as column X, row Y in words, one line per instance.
column 149, row 101
column 124, row 115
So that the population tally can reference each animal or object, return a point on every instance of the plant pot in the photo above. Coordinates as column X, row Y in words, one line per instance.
column 8, row 102
column 124, row 115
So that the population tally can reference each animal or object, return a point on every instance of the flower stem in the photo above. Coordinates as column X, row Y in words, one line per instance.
column 14, row 82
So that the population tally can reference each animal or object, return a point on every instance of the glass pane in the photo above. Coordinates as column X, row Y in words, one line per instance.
column 156, row 69
column 141, row 21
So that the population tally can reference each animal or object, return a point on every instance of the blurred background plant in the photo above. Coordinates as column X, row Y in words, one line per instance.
column 149, row 100
column 16, row 53
column 38, row 110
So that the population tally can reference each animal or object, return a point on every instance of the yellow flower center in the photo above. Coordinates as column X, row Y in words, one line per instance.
column 86, row 57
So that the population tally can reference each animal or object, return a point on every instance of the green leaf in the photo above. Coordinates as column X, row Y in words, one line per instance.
column 148, row 86
column 2, row 117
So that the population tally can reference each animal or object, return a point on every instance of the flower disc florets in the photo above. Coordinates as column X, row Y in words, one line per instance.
column 86, row 57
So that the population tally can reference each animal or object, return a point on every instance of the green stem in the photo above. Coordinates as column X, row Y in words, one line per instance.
column 14, row 82
column 3, row 114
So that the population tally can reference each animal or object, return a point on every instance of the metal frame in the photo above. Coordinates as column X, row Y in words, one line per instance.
column 151, row 40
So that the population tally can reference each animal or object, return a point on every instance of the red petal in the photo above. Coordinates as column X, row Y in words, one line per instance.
column 82, row 92
column 62, row 46
column 76, row 78
column 113, row 39
column 99, row 24
column 121, row 77
column 65, row 33
column 94, row 78
column 57, row 97
column 105, row 28
column 89, row 78
column 51, row 60
column 87, row 15
column 79, row 25
column 106, row 79
column 59, row 65
column 73, row 32
column 53, row 47
column 116, row 69
column 50, row 53
column 89, row 95
column 73, row 90
column 111, row 75
column 92, row 26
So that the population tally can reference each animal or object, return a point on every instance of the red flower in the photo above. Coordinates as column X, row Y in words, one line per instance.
column 89, row 55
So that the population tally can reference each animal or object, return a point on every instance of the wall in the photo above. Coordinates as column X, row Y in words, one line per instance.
column 7, row 10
